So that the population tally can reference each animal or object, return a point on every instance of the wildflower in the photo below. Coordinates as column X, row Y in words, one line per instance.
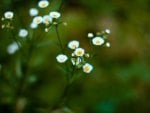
column 9, row 15
column 37, row 20
column 90, row 35
column 55, row 14
column 47, row 19
column 61, row 58
column 23, row 33
column 33, row 12
column 12, row 48
column 43, row 3
column 33, row 25
column 73, row 44
column 107, row 44
column 79, row 52
column 97, row 41
column 107, row 31
column 87, row 68
column 76, row 61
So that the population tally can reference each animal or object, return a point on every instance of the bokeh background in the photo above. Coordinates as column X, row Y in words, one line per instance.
column 120, row 81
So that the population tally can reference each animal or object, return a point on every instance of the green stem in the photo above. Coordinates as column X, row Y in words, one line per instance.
column 59, row 39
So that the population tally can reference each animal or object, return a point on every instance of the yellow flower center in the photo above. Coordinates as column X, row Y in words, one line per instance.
column 86, row 68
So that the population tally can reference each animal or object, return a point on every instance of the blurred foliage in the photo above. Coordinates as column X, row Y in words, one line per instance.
column 120, row 82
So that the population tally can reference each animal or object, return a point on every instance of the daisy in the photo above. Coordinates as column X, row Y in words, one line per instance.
column 61, row 58
column 87, row 68
column 9, row 15
column 98, row 41
column 73, row 44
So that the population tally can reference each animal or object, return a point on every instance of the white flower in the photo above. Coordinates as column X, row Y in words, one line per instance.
column 87, row 68
column 98, row 41
column 33, row 12
column 43, row 3
column 23, row 33
column 9, row 15
column 61, row 58
column 79, row 52
column 107, row 44
column 90, row 35
column 33, row 25
column 107, row 31
column 37, row 20
column 47, row 19
column 12, row 48
column 76, row 61
column 55, row 14
column 73, row 44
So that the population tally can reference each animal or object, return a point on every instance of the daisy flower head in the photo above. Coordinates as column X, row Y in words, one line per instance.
column 23, row 33
column 87, row 68
column 73, row 44
column 43, row 3
column 12, row 48
column 47, row 19
column 55, row 14
column 79, row 52
column 33, row 12
column 61, row 58
column 107, row 31
column 38, row 20
column 8, row 14
column 98, row 41
column 90, row 35
column 107, row 44
column 33, row 25
column 76, row 61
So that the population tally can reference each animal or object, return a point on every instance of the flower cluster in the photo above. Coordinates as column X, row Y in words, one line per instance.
column 8, row 17
column 77, row 57
column 48, row 19
column 100, row 38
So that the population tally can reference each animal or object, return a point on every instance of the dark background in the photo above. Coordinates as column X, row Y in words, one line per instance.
column 120, row 81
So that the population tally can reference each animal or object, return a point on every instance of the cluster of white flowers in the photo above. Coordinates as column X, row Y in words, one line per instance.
column 47, row 19
column 77, row 58
column 100, row 39
column 8, row 16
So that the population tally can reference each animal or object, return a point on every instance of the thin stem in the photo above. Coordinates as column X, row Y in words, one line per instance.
column 61, row 4
column 59, row 39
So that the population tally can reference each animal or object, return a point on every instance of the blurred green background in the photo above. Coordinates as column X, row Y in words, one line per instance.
column 120, row 82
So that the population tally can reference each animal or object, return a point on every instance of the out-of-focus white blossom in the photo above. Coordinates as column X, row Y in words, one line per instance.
column 87, row 68
column 98, row 41
column 76, row 61
column 107, row 44
column 73, row 44
column 12, row 48
column 33, row 25
column 107, row 31
column 38, row 20
column 47, row 19
column 79, row 52
column 43, row 3
column 90, row 35
column 33, row 12
column 54, row 14
column 23, row 33
column 9, row 15
column 61, row 58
